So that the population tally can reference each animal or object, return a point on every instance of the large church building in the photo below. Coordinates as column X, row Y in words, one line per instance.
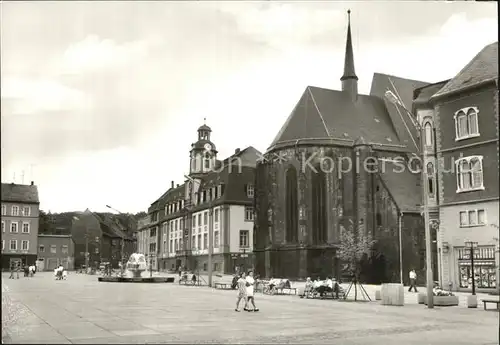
column 306, row 191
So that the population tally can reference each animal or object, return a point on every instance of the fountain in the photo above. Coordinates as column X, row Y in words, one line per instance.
column 135, row 266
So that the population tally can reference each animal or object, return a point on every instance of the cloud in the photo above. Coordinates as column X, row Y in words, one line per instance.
column 95, row 53
column 285, row 25
column 28, row 96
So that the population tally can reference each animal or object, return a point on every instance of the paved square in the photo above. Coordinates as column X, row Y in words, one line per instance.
column 82, row 310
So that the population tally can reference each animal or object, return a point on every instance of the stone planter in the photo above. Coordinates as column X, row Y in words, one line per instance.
column 392, row 294
column 378, row 295
column 472, row 301
column 443, row 301
column 421, row 297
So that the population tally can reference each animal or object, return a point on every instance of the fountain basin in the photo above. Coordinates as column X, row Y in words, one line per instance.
column 136, row 279
column 135, row 266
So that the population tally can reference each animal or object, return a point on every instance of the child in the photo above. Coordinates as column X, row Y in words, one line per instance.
column 241, row 285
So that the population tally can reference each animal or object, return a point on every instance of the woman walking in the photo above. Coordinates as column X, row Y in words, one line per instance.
column 242, row 293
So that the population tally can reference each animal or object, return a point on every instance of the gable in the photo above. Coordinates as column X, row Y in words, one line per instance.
column 303, row 122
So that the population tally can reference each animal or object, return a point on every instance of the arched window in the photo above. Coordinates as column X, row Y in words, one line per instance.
column 319, row 222
column 430, row 179
column 292, row 224
column 428, row 134
column 466, row 124
column 469, row 173
column 207, row 161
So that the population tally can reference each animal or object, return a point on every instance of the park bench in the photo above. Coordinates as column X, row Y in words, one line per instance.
column 284, row 291
column 223, row 286
column 485, row 301
column 327, row 295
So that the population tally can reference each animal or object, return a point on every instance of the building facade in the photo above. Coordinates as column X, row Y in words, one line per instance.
column 100, row 238
column 466, row 110
column 215, row 201
column 20, row 208
column 314, row 182
column 55, row 250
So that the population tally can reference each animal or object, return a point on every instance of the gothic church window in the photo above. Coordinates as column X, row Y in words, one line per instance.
column 319, row 222
column 291, row 206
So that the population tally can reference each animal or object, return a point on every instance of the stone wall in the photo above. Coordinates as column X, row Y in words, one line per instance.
column 351, row 196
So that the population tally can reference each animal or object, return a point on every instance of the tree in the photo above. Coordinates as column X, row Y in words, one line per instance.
column 355, row 246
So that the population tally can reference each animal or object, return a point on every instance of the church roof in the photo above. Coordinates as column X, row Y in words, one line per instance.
column 482, row 68
column 329, row 114
column 403, row 186
column 403, row 88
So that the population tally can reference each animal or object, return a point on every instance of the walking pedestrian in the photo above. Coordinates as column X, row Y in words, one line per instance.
column 250, row 283
column 242, row 291
column 18, row 268
column 12, row 269
column 413, row 280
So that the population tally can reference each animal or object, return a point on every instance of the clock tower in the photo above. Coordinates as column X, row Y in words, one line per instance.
column 203, row 154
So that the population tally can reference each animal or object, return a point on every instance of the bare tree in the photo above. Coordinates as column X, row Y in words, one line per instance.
column 355, row 245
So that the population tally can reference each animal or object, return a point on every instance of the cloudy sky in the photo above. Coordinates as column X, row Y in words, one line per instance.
column 101, row 101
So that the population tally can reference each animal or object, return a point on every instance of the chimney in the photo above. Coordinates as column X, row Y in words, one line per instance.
column 178, row 185
column 237, row 151
column 172, row 184
column 32, row 183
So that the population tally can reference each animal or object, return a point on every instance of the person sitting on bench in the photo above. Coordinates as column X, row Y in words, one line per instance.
column 308, row 290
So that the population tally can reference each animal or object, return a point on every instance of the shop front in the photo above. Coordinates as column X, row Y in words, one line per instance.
column 484, row 270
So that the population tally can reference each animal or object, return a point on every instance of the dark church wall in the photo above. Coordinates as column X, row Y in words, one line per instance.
column 352, row 191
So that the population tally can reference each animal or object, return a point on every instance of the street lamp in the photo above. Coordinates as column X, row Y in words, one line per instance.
column 391, row 97
column 472, row 247
column 87, row 254
column 122, row 247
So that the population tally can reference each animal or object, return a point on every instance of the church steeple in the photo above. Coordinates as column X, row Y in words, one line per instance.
column 349, row 79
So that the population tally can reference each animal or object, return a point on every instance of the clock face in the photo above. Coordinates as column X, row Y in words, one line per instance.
column 208, row 147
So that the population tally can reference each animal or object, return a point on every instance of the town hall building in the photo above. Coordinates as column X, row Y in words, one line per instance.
column 215, row 201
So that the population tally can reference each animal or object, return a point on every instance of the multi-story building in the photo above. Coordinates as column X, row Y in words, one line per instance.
column 20, row 207
column 466, row 119
column 101, row 238
column 142, row 239
column 217, row 198
column 55, row 250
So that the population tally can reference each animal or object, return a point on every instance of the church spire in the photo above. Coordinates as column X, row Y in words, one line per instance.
column 349, row 79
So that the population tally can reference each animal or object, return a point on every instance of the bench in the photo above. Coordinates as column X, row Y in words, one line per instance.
column 284, row 291
column 330, row 294
column 491, row 301
column 223, row 286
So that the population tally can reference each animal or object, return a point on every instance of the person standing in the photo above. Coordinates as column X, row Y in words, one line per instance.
column 12, row 269
column 242, row 291
column 413, row 280
column 250, row 284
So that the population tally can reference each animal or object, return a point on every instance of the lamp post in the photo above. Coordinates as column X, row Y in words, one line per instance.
column 391, row 97
column 122, row 245
column 472, row 247
column 87, row 254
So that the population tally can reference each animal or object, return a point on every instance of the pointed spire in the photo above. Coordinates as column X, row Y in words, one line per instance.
column 349, row 79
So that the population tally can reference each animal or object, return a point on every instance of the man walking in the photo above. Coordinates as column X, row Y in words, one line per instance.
column 413, row 280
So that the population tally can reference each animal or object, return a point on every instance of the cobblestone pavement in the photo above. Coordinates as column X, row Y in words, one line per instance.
column 82, row 310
